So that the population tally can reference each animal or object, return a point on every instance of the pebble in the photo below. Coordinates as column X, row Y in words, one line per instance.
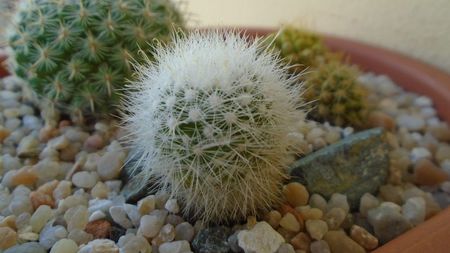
column 63, row 190
column 317, row 201
column 273, row 218
column 166, row 234
column 99, row 228
column 64, row 246
column 110, row 164
column 296, row 194
column 85, row 179
column 426, row 173
column 9, row 221
column 58, row 143
column 133, row 213
column 285, row 248
column 119, row 216
column 4, row 133
column 152, row 223
column 80, row 236
column 316, row 228
column 76, row 217
column 391, row 193
column 387, row 223
column 172, row 206
column 234, row 243
column 381, row 119
column 411, row 122
column 309, row 213
column 301, row 241
column 363, row 238
column 100, row 246
column 414, row 210
column 8, row 237
column 290, row 223
column 175, row 247
column 338, row 200
column 94, row 142
column 40, row 218
column 38, row 199
column 184, row 232
column 174, row 219
column 368, row 201
column 100, row 190
column 28, row 147
column 419, row 153
column 320, row 246
column 24, row 176
column 335, row 217
column 442, row 153
column 262, row 238
column 28, row 247
column 339, row 242
column 131, row 243
column 51, row 234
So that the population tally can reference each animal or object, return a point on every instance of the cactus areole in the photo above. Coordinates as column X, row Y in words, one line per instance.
column 213, row 119
column 76, row 54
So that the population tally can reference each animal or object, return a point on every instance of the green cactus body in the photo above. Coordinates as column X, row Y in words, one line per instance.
column 300, row 48
column 78, row 53
column 337, row 95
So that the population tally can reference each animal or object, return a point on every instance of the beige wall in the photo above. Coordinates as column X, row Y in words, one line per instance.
column 419, row 28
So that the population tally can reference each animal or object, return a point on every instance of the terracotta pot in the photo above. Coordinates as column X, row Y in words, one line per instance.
column 432, row 235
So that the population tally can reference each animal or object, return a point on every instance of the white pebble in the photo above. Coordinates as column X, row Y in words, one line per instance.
column 175, row 247
column 64, row 246
column 184, row 231
column 414, row 210
column 119, row 216
column 411, row 122
column 172, row 206
column 85, row 179
column 338, row 200
column 151, row 224
column 99, row 246
column 419, row 153
column 40, row 218
column 262, row 238
column 96, row 215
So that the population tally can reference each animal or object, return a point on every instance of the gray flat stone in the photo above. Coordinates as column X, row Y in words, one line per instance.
column 352, row 166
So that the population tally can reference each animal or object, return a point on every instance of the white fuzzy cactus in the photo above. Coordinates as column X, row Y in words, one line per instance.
column 211, row 120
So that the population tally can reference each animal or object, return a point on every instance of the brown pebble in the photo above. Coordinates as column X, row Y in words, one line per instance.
column 9, row 221
column 426, row 173
column 296, row 194
column 8, row 237
column 301, row 241
column 26, row 176
column 46, row 133
column 64, row 123
column 339, row 242
column 4, row 133
column 440, row 132
column 381, row 119
column 48, row 187
column 363, row 238
column 284, row 208
column 99, row 229
column 273, row 218
column 38, row 198
column 94, row 142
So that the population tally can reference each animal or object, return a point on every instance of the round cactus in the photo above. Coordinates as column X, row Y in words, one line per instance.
column 337, row 95
column 211, row 120
column 299, row 48
column 78, row 53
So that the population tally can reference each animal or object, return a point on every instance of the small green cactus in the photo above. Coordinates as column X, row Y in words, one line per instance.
column 299, row 48
column 213, row 121
column 337, row 95
column 78, row 53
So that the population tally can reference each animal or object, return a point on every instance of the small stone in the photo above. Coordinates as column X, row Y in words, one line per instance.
column 63, row 190
column 28, row 247
column 172, row 206
column 381, row 119
column 387, row 222
column 262, row 238
column 296, row 194
column 411, row 122
column 338, row 200
column 309, row 213
column 337, row 169
column 4, row 133
column 100, row 246
column 363, row 238
column 414, row 210
column 290, row 223
column 317, row 201
column 85, row 179
column 64, row 246
column 146, row 205
column 38, row 199
column 234, row 243
column 339, row 242
column 174, row 219
column 48, row 187
column 273, row 218
column 285, row 248
column 133, row 213
column 25, row 176
column 426, row 173
column 119, row 216
column 94, row 142
column 368, row 201
column 110, row 165
column 130, row 243
column 100, row 190
column 8, row 237
column 166, row 234
column 175, row 247
column 151, row 224
column 80, row 237
column 28, row 147
column 76, row 217
column 419, row 153
column 28, row 236
column 184, row 232
column 320, row 246
column 9, row 221
column 332, row 137
column 442, row 153
column 59, row 143
column 99, row 228
column 335, row 217
column 316, row 228
column 51, row 234
column 391, row 193
column 301, row 241
column 40, row 218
